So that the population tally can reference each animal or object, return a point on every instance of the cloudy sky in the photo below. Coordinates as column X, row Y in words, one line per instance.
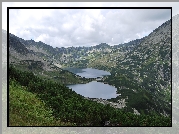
column 84, row 27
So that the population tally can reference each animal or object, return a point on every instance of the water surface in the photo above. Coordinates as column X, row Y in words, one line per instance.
column 88, row 72
column 92, row 89
column 95, row 89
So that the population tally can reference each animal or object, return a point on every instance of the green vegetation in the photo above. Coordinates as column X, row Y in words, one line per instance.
column 142, row 84
column 34, row 101
column 26, row 109
column 56, row 74
column 140, row 70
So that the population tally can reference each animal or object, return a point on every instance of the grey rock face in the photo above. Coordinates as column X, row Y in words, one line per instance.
column 175, row 68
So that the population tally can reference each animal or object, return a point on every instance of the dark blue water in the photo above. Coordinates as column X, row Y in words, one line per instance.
column 93, row 89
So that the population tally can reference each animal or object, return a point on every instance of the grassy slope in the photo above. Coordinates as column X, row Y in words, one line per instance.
column 26, row 109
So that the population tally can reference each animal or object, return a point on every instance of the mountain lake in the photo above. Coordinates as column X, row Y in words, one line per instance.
column 93, row 89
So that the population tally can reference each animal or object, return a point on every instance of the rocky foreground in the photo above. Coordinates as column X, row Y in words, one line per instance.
column 121, row 103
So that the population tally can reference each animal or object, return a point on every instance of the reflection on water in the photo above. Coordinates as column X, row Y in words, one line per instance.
column 92, row 89
column 95, row 89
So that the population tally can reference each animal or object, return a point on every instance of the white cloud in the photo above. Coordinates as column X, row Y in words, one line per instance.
column 42, row 37
column 67, row 27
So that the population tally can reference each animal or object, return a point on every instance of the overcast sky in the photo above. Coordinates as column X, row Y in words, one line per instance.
column 85, row 27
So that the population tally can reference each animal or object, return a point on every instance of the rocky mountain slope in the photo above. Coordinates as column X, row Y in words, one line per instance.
column 29, row 60
column 79, row 56
column 175, row 68
column 144, row 74
column 141, row 69
column 42, row 58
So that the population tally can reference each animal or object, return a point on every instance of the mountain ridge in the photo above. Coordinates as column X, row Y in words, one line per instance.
column 143, row 66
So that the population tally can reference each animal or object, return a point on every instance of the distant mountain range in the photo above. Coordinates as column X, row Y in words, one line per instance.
column 62, row 55
column 140, row 69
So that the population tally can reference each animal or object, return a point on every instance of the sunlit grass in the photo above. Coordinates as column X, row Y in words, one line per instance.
column 26, row 109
